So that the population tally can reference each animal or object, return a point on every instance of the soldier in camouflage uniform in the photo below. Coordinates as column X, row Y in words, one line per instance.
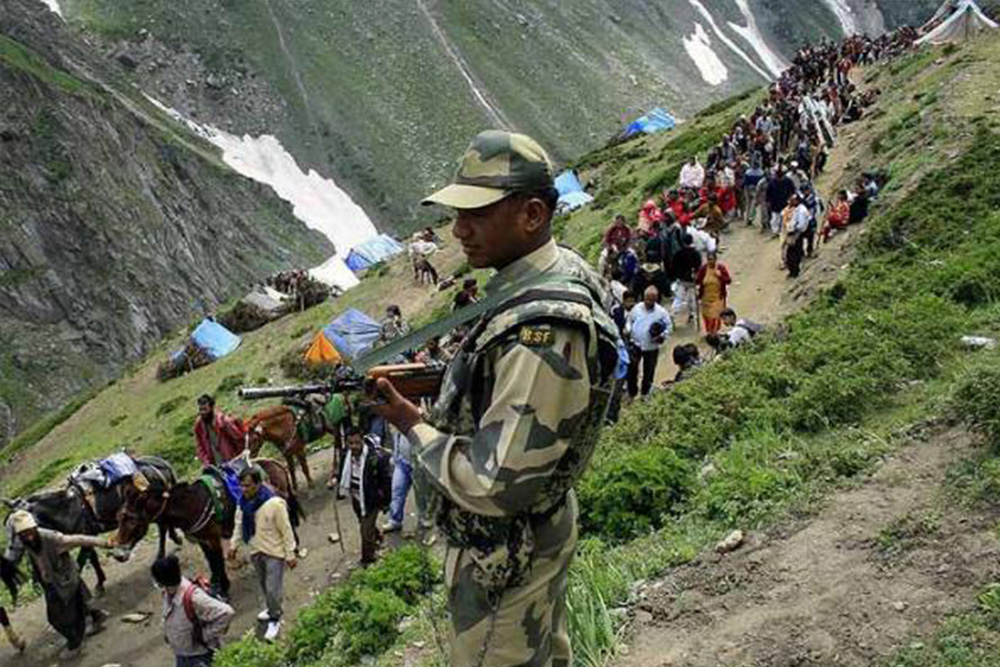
column 518, row 415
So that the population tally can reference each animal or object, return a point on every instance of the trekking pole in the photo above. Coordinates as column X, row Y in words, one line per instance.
column 336, row 502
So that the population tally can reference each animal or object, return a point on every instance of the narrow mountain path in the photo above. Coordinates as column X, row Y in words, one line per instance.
column 878, row 566
column 495, row 115
column 761, row 292
column 130, row 589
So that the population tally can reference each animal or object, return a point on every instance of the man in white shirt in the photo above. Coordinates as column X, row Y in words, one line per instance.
column 692, row 175
column 795, row 235
column 703, row 242
column 648, row 326
column 740, row 331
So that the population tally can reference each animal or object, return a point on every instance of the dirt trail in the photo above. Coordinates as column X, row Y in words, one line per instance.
column 761, row 291
column 130, row 590
column 880, row 565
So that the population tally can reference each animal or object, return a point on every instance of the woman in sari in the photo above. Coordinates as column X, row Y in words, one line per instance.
column 838, row 216
column 713, row 282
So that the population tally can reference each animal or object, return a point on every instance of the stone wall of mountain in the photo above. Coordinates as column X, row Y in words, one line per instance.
column 117, row 227
column 382, row 95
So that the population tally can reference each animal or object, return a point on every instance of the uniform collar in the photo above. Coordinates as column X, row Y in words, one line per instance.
column 538, row 261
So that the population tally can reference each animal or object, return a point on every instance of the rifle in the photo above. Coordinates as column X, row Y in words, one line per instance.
column 413, row 381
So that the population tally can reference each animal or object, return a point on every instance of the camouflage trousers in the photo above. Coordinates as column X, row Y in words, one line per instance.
column 528, row 626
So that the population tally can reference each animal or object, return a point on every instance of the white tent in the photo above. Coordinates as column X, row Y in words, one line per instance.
column 943, row 12
column 268, row 300
column 966, row 21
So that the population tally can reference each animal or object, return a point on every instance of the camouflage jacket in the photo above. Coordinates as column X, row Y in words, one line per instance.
column 521, row 403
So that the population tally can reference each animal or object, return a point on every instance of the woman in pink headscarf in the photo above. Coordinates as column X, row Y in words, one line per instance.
column 650, row 217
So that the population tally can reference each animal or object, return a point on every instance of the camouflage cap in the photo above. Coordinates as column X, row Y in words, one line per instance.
column 497, row 164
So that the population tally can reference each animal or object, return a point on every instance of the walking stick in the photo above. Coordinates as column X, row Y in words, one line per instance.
column 336, row 501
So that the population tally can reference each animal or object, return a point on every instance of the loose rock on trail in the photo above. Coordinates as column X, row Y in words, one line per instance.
column 874, row 570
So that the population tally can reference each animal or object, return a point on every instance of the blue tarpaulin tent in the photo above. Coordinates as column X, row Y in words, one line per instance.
column 215, row 339
column 352, row 333
column 371, row 252
column 571, row 194
column 655, row 121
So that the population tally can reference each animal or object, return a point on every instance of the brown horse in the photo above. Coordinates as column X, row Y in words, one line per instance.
column 206, row 517
column 279, row 425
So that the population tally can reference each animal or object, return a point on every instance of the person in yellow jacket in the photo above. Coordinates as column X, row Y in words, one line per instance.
column 263, row 525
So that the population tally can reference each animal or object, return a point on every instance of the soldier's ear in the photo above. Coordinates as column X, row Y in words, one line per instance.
column 536, row 215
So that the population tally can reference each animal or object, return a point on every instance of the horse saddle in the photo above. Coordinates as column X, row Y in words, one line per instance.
column 220, row 484
column 309, row 418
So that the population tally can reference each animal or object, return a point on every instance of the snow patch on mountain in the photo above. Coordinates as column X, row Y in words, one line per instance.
column 842, row 10
column 318, row 202
column 699, row 47
column 54, row 6
column 752, row 34
column 727, row 41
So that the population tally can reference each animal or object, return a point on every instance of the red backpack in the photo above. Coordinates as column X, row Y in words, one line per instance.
column 187, row 601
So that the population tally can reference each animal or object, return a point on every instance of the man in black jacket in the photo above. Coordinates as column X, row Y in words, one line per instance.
column 779, row 190
column 686, row 263
column 368, row 475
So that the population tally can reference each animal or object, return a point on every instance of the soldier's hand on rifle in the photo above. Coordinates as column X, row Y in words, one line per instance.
column 400, row 412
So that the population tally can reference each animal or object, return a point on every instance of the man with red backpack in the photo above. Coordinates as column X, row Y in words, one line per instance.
column 194, row 622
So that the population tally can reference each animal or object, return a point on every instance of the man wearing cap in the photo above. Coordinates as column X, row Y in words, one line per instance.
column 518, row 414
column 67, row 599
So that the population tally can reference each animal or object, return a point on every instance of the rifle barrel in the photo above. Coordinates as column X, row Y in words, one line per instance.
column 256, row 393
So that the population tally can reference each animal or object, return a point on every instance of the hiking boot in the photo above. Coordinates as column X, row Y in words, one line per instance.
column 97, row 619
column 264, row 615
column 429, row 540
column 272, row 632
column 67, row 654
column 391, row 527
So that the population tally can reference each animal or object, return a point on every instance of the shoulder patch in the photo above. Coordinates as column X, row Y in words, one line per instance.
column 536, row 336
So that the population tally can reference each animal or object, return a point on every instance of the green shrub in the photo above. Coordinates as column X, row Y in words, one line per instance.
column 408, row 572
column 749, row 481
column 631, row 494
column 344, row 623
column 614, row 191
column 251, row 652
column 294, row 366
column 231, row 383
column 317, row 624
column 169, row 405
column 370, row 625
column 976, row 403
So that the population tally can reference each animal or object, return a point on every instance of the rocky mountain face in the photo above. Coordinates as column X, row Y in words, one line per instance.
column 117, row 226
column 381, row 95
